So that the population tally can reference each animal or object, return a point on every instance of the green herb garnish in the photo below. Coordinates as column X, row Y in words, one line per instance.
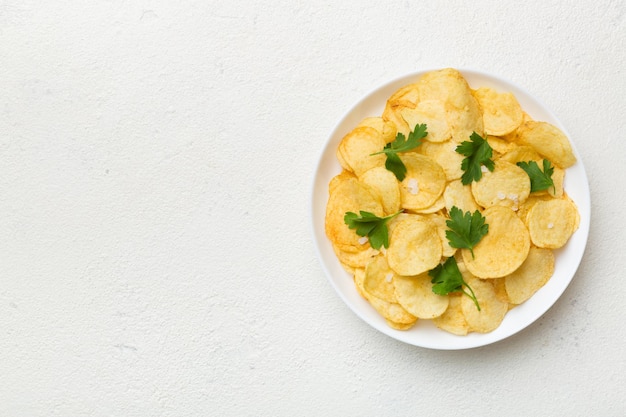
column 447, row 278
column 539, row 180
column 466, row 230
column 402, row 144
column 478, row 153
column 370, row 225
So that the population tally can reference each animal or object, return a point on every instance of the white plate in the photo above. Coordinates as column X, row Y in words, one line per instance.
column 424, row 333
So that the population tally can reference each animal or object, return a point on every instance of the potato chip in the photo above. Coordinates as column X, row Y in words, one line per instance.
column 414, row 246
column 444, row 153
column 526, row 280
column 357, row 147
column 549, row 141
column 433, row 114
column 459, row 195
column 500, row 145
column 390, row 311
column 440, row 221
column 503, row 249
column 437, row 206
column 492, row 309
column 522, row 153
column 424, row 181
column 379, row 279
column 349, row 195
column 508, row 185
column 453, row 320
column 356, row 258
column 463, row 113
column 502, row 113
column 386, row 129
column 552, row 222
column 400, row 326
column 385, row 184
column 415, row 294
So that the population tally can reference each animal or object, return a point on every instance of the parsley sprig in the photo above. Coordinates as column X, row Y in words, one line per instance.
column 477, row 152
column 370, row 225
column 539, row 180
column 466, row 229
column 402, row 144
column 447, row 278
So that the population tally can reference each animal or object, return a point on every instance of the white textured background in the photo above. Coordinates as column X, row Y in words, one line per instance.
column 156, row 162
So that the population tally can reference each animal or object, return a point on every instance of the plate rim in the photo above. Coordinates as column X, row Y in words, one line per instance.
column 472, row 340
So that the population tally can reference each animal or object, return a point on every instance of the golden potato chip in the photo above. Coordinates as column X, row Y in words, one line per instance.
column 459, row 195
column 492, row 309
column 440, row 221
column 405, row 96
column 415, row 294
column 522, row 153
column 357, row 147
column 355, row 258
column 386, row 129
column 433, row 114
column 400, row 326
column 499, row 288
column 453, row 320
column 385, row 184
column 463, row 113
column 508, row 185
column 552, row 222
column 390, row 311
column 502, row 114
column 503, row 249
column 500, row 145
column 438, row 205
column 424, row 181
column 379, row 279
column 526, row 280
column 444, row 153
column 337, row 179
column 414, row 246
column 549, row 141
column 349, row 195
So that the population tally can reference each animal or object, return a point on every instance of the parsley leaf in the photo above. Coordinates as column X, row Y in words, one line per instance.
column 466, row 230
column 447, row 278
column 477, row 153
column 402, row 144
column 539, row 180
column 370, row 225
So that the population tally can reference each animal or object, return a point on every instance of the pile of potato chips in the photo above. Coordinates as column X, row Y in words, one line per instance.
column 510, row 263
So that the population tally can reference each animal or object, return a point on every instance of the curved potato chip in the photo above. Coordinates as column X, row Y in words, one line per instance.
column 386, row 185
column 416, row 295
column 503, row 249
column 438, row 205
column 508, row 185
column 444, row 153
column 500, row 145
column 459, row 195
column 424, row 181
column 390, row 311
column 526, row 280
column 379, row 279
column 552, row 222
column 453, row 320
column 549, row 141
column 386, row 129
column 521, row 153
column 502, row 114
column 440, row 221
column 350, row 195
column 463, row 113
column 355, row 259
column 492, row 309
column 433, row 114
column 414, row 246
column 400, row 326
column 337, row 179
column 356, row 149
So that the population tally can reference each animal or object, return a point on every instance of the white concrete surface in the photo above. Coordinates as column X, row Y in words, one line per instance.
column 156, row 161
